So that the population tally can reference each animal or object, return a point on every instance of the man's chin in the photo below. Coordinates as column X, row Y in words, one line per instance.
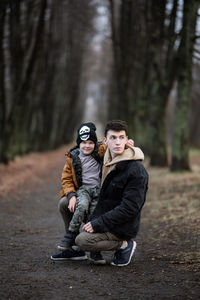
column 118, row 152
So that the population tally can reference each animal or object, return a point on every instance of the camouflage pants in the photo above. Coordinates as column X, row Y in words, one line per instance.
column 86, row 202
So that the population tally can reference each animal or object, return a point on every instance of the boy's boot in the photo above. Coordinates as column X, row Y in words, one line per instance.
column 68, row 241
column 97, row 258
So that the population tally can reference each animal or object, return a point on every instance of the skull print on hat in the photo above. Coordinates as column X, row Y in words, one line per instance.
column 85, row 132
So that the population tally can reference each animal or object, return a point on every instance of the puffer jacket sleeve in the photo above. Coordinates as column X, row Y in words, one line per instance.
column 67, row 178
column 130, row 206
column 101, row 149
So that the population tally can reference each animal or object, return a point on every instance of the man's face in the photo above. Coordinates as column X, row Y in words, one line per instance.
column 87, row 147
column 116, row 141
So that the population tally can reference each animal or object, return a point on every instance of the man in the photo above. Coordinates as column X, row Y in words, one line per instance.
column 115, row 221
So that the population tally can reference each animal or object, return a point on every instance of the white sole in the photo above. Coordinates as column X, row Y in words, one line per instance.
column 133, row 250
column 100, row 262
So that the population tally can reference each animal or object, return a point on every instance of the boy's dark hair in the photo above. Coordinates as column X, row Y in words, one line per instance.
column 116, row 125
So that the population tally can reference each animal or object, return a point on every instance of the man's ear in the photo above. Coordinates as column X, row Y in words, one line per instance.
column 105, row 140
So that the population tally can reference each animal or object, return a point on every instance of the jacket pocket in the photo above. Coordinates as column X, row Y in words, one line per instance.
column 116, row 191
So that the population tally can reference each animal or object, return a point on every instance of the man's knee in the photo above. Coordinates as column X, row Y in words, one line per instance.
column 82, row 240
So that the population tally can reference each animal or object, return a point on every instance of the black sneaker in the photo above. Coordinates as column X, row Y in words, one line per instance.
column 68, row 241
column 122, row 257
column 97, row 258
column 70, row 254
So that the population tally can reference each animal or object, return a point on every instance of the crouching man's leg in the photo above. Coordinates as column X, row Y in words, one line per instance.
column 97, row 242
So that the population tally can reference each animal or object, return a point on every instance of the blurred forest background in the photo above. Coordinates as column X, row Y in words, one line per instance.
column 63, row 62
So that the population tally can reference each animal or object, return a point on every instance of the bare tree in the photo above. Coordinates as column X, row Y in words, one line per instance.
column 2, row 80
column 180, row 145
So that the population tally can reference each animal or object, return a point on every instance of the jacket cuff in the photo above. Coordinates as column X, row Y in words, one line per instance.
column 70, row 195
column 98, row 225
column 95, row 226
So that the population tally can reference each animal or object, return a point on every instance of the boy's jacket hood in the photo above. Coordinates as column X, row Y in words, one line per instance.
column 132, row 153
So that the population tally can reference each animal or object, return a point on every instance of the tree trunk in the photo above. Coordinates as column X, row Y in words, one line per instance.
column 22, row 75
column 180, row 143
column 156, row 133
column 3, row 157
column 129, row 40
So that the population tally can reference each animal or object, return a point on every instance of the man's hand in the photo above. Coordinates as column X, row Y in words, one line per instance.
column 130, row 143
column 72, row 204
column 88, row 227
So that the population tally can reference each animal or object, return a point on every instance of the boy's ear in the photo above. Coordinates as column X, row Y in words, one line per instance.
column 105, row 140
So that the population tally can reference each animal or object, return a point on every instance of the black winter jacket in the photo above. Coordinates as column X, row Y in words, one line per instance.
column 122, row 197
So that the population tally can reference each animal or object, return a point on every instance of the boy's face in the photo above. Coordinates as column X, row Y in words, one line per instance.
column 87, row 147
column 116, row 141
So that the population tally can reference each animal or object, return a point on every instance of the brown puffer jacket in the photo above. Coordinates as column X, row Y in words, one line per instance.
column 72, row 172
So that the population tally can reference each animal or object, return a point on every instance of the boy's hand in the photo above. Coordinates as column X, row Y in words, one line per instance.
column 130, row 143
column 72, row 204
column 88, row 227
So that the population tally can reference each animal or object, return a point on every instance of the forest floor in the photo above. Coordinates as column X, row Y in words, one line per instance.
column 166, row 264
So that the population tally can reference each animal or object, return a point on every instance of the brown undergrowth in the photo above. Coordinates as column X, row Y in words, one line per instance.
column 31, row 167
column 172, row 213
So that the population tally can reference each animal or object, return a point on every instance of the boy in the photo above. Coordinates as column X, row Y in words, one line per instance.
column 80, row 188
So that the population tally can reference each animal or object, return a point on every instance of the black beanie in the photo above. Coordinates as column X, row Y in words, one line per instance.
column 85, row 132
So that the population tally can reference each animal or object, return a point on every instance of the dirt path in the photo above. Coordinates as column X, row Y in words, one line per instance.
column 166, row 262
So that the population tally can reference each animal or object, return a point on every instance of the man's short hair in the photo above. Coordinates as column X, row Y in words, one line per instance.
column 116, row 125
